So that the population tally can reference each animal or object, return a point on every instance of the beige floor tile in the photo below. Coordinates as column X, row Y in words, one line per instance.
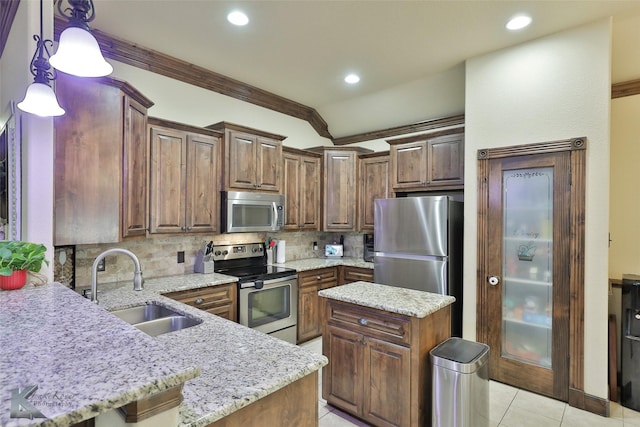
column 574, row 417
column 518, row 417
column 323, row 409
column 631, row 417
column 501, row 392
column 337, row 418
column 616, row 411
column 538, row 404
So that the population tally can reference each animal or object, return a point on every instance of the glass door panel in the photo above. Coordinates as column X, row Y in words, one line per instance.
column 527, row 268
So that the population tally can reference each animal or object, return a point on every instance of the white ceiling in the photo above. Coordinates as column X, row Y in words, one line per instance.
column 303, row 49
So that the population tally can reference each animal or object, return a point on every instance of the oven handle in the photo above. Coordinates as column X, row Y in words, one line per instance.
column 268, row 282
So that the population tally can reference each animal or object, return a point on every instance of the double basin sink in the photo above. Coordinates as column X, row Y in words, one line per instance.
column 155, row 319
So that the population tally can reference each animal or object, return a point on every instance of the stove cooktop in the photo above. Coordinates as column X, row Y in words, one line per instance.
column 262, row 272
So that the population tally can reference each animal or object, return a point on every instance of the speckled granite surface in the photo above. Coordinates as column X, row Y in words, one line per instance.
column 238, row 365
column 314, row 263
column 389, row 298
column 83, row 360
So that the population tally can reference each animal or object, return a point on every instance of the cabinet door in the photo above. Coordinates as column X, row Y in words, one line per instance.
column 528, row 300
column 168, row 180
column 291, row 189
column 308, row 313
column 342, row 378
column 409, row 165
column 220, row 300
column 310, row 193
column 446, row 160
column 374, row 184
column 134, row 172
column 387, row 390
column 268, row 161
column 340, row 191
column 202, row 200
column 241, row 160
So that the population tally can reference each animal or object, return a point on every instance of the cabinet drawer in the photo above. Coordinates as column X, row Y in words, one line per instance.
column 214, row 299
column 371, row 322
column 356, row 274
column 319, row 276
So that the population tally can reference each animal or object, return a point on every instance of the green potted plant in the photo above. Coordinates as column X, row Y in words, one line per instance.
column 16, row 258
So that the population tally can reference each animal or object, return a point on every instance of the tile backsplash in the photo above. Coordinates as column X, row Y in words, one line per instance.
column 159, row 255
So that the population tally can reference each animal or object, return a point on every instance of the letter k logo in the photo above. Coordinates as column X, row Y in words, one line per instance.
column 21, row 407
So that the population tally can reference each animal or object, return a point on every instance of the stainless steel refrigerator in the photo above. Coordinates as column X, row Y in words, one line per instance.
column 418, row 245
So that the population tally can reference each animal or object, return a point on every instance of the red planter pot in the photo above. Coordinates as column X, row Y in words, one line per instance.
column 15, row 281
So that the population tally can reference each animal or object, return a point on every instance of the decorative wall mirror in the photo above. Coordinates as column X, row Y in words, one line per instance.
column 10, row 183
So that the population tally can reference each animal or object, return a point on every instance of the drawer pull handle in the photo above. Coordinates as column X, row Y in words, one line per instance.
column 319, row 278
column 198, row 301
column 363, row 321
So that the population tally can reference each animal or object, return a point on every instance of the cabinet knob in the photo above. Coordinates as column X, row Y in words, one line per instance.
column 363, row 321
column 198, row 301
column 183, row 228
column 318, row 277
column 493, row 280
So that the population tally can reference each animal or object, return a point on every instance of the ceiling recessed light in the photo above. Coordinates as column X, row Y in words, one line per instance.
column 238, row 18
column 518, row 22
column 352, row 79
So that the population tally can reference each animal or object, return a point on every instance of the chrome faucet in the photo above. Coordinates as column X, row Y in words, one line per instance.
column 138, row 282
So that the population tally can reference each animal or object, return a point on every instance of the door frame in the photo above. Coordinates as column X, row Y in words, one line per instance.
column 577, row 148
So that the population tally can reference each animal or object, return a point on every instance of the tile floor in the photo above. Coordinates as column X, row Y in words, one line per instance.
column 509, row 407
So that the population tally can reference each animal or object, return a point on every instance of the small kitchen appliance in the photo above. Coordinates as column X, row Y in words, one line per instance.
column 368, row 247
column 249, row 212
column 334, row 251
column 267, row 294
column 630, row 337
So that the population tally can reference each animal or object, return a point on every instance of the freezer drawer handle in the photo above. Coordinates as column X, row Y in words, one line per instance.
column 363, row 321
column 494, row 280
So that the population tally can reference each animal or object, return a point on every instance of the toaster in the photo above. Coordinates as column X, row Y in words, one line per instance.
column 334, row 251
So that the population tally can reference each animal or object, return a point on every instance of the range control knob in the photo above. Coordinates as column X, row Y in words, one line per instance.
column 217, row 253
column 254, row 250
column 225, row 252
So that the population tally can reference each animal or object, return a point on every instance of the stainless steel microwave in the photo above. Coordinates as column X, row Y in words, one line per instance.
column 248, row 212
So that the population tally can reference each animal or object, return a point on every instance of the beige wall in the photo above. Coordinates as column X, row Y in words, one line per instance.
column 552, row 88
column 624, row 223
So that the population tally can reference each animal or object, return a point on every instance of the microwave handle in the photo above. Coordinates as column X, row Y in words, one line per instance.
column 274, row 223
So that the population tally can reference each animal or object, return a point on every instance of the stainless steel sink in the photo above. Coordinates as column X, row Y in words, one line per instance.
column 143, row 313
column 167, row 324
column 155, row 319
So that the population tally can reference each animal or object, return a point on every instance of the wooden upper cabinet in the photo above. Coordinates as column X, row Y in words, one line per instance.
column 185, row 165
column 428, row 162
column 301, row 189
column 374, row 184
column 252, row 158
column 100, row 160
column 339, row 190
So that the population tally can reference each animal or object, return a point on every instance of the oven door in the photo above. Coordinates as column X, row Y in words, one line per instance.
column 272, row 308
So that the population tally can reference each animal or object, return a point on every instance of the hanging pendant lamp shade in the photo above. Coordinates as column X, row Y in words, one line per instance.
column 40, row 98
column 41, row 101
column 79, row 54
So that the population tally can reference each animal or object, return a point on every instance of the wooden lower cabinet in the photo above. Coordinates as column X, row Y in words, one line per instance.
column 221, row 300
column 379, row 367
column 350, row 274
column 309, row 303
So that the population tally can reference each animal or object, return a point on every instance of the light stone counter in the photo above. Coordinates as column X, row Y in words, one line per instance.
column 238, row 365
column 83, row 360
column 315, row 263
column 389, row 298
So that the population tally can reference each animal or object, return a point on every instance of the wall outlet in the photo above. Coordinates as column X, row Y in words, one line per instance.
column 101, row 265
column 180, row 257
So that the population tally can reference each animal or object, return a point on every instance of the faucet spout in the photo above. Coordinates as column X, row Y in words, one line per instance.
column 138, row 281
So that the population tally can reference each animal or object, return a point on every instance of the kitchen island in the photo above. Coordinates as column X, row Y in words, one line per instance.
column 377, row 339
column 226, row 368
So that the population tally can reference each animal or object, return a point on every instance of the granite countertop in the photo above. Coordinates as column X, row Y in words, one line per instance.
column 315, row 263
column 238, row 365
column 389, row 298
column 83, row 360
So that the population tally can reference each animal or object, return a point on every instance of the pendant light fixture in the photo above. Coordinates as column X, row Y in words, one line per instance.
column 78, row 51
column 40, row 98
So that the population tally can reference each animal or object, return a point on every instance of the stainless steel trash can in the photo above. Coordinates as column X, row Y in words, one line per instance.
column 460, row 386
